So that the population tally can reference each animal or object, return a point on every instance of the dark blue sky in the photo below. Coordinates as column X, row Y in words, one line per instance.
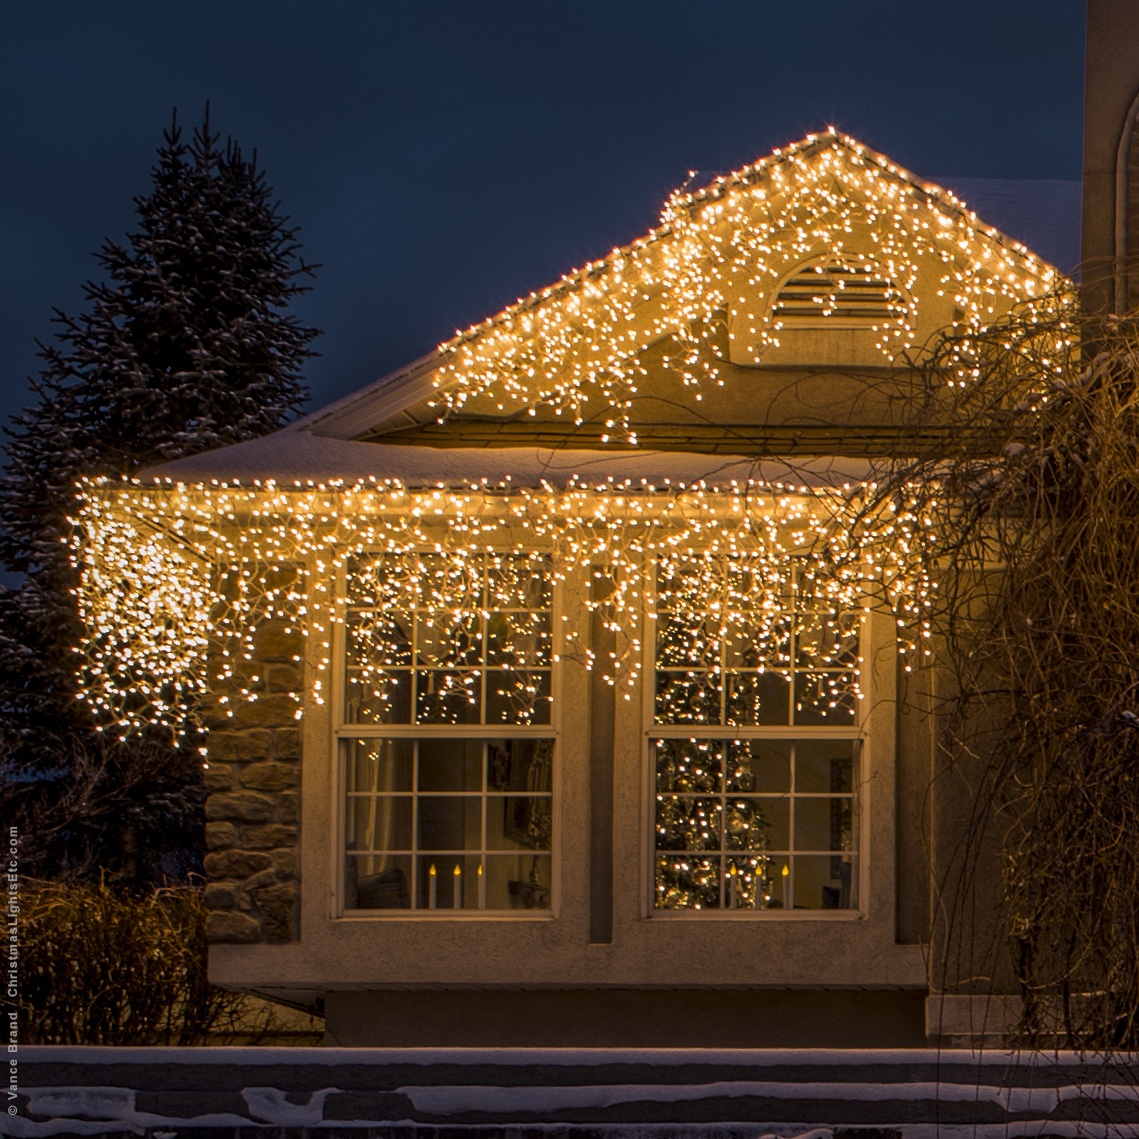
column 442, row 158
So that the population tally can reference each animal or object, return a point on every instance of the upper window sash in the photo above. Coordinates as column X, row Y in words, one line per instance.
column 741, row 646
column 432, row 641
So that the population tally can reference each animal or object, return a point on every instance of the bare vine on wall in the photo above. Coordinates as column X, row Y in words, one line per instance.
column 1035, row 546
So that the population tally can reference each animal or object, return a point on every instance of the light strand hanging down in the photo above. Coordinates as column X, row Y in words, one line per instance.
column 177, row 579
column 709, row 269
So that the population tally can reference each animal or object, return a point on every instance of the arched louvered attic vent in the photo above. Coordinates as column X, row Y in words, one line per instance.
column 835, row 294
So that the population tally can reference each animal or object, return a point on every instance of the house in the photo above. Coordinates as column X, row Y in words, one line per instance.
column 554, row 685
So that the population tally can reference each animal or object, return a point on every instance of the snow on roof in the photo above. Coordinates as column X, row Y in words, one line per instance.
column 304, row 459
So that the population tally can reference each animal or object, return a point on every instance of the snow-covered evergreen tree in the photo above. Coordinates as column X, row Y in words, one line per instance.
column 186, row 344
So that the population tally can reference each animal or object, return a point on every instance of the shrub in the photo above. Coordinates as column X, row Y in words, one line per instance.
column 103, row 967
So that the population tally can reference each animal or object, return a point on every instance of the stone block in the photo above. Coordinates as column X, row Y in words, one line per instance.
column 222, row 836
column 287, row 743
column 288, row 808
column 234, row 685
column 270, row 776
column 266, row 712
column 276, row 905
column 283, row 677
column 285, row 863
column 231, row 928
column 217, row 714
column 235, row 863
column 268, row 837
column 271, row 642
column 218, row 777
column 260, row 880
column 219, row 896
column 253, row 743
column 241, row 806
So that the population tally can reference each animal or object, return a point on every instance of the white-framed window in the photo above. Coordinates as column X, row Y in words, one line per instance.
column 753, row 737
column 444, row 734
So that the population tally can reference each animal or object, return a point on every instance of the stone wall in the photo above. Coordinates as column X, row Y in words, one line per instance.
column 252, row 809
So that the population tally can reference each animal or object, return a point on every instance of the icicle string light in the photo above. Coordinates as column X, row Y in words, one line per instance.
column 706, row 278
column 176, row 579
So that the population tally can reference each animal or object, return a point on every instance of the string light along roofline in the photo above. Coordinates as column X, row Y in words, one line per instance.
column 746, row 176
column 177, row 576
column 686, row 204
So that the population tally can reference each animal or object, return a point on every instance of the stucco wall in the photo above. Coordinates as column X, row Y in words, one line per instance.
column 346, row 953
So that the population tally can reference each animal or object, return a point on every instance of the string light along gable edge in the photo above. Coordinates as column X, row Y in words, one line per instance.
column 177, row 577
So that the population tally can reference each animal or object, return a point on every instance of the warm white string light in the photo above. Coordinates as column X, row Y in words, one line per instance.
column 177, row 578
column 578, row 346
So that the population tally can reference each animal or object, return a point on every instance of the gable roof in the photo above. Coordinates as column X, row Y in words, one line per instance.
column 646, row 326
column 376, row 409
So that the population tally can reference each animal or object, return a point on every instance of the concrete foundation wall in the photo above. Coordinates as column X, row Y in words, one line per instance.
column 627, row 1018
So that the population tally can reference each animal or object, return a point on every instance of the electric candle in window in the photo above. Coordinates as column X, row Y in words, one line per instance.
column 787, row 887
column 458, row 887
column 432, row 887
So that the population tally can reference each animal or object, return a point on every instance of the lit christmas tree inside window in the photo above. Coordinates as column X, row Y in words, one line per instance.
column 754, row 814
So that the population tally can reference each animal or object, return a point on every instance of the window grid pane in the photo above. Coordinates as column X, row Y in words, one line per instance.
column 432, row 640
column 744, row 821
column 483, row 846
column 728, row 837
column 744, row 645
column 444, row 821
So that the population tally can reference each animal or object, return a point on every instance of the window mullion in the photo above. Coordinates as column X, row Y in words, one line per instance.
column 450, row 759
column 415, row 825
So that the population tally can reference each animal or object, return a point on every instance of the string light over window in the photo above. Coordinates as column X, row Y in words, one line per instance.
column 177, row 578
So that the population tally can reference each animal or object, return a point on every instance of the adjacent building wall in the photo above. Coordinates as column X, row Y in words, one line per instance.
column 1111, row 88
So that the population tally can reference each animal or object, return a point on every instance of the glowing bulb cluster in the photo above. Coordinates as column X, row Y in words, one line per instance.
column 176, row 579
column 712, row 267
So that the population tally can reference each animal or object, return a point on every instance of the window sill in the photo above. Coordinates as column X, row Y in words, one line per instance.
column 756, row 915
column 444, row 915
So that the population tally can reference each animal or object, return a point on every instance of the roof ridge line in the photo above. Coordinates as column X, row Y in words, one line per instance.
column 746, row 175
column 932, row 192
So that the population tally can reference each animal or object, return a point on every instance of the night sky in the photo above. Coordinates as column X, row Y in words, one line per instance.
column 442, row 159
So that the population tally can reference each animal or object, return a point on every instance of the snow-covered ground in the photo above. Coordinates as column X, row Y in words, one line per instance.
column 580, row 1094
